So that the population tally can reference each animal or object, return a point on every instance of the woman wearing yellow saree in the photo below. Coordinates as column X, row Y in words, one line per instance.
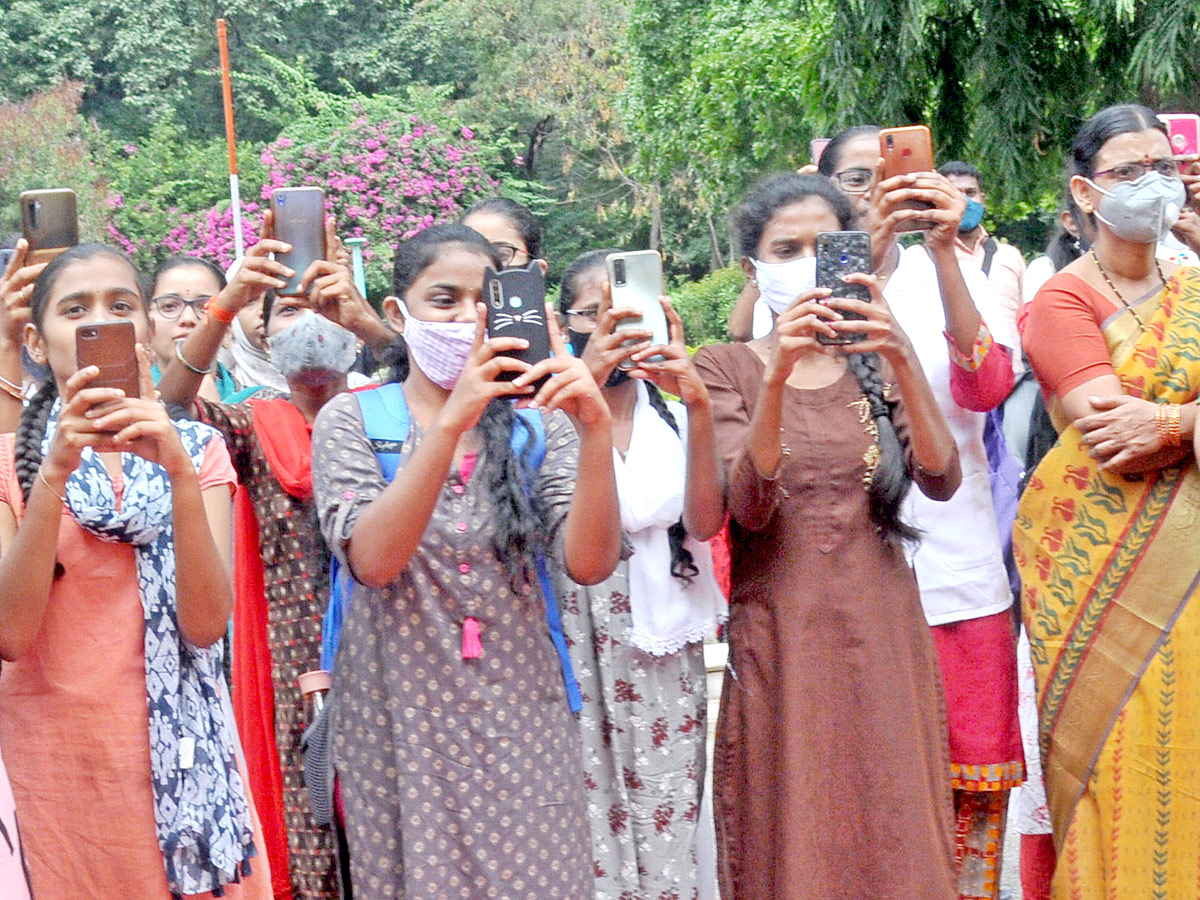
column 1106, row 535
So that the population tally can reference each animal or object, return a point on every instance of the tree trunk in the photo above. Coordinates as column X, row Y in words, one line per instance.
column 717, row 262
column 655, row 216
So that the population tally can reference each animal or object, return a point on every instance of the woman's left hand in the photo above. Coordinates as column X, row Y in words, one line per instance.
column 141, row 425
column 571, row 387
column 675, row 374
column 1122, row 430
column 883, row 333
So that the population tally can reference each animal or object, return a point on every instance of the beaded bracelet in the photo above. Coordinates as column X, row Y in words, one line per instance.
column 187, row 365
column 218, row 312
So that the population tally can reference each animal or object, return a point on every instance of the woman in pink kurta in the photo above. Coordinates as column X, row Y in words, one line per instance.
column 75, row 716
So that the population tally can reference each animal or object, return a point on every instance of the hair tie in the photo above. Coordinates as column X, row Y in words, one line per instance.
column 879, row 409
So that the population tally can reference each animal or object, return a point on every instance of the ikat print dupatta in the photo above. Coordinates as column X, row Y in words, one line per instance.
column 1108, row 562
column 200, row 806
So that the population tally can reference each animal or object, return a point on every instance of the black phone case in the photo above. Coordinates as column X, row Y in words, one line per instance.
column 841, row 253
column 516, row 307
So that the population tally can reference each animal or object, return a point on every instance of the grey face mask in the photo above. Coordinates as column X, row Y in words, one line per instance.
column 312, row 350
column 1143, row 210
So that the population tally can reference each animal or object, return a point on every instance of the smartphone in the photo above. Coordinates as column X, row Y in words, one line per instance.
column 816, row 147
column 299, row 221
column 1183, row 131
column 516, row 307
column 636, row 281
column 112, row 346
column 906, row 151
column 840, row 253
column 49, row 222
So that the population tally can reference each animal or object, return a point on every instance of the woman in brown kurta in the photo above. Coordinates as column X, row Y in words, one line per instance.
column 831, row 769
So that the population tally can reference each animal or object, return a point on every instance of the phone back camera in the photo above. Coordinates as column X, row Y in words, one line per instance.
column 844, row 259
column 891, row 141
column 496, row 295
column 87, row 332
column 618, row 272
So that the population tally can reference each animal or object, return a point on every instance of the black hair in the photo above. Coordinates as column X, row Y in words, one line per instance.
column 179, row 262
column 958, row 168
column 520, row 532
column 777, row 191
column 522, row 219
column 268, row 302
column 1064, row 248
column 683, row 564
column 891, row 481
column 580, row 266
column 831, row 157
column 1105, row 125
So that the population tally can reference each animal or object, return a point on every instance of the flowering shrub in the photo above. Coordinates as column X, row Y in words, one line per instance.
column 384, row 180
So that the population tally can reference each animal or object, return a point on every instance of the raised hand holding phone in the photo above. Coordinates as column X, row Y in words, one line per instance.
column 17, row 278
column 572, row 389
column 673, row 372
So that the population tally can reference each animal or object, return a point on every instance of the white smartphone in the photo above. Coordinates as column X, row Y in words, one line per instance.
column 636, row 280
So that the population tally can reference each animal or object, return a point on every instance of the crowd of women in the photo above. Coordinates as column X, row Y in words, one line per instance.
column 507, row 568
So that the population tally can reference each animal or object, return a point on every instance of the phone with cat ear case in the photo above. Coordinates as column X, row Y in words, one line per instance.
column 516, row 308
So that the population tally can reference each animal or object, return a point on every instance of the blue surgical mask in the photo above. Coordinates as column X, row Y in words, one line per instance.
column 972, row 217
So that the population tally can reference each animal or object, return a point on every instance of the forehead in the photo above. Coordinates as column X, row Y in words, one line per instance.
column 458, row 266
column 1132, row 146
column 495, row 227
column 589, row 287
column 96, row 275
column 860, row 152
column 964, row 182
column 187, row 281
column 812, row 214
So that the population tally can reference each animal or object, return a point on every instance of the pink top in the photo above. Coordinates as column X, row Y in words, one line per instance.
column 74, row 724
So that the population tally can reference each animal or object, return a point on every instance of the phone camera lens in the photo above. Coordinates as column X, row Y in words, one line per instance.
column 844, row 259
column 619, row 271
column 497, row 297
column 891, row 141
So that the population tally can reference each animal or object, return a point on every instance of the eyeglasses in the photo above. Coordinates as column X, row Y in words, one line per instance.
column 582, row 320
column 855, row 181
column 507, row 252
column 1133, row 171
column 170, row 306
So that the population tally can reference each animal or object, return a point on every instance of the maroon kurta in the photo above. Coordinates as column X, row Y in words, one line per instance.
column 831, row 771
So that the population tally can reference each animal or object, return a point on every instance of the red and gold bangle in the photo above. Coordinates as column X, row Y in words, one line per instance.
column 218, row 312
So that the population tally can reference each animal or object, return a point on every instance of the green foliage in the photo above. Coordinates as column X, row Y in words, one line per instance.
column 47, row 145
column 705, row 305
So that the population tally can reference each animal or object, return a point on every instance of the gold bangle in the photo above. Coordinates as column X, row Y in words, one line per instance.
column 12, row 389
column 1174, row 425
column 50, row 488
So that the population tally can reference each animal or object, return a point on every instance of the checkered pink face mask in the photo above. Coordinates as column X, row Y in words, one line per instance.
column 439, row 349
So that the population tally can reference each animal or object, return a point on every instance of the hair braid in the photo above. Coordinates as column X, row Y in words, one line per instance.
column 683, row 564
column 31, row 430
column 892, row 480
column 509, row 480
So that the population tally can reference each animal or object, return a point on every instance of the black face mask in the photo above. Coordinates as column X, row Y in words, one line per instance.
column 579, row 341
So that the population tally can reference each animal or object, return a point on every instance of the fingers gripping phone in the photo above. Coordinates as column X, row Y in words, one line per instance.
column 111, row 347
column 299, row 221
column 907, row 151
column 49, row 222
column 516, row 307
column 841, row 253
column 636, row 282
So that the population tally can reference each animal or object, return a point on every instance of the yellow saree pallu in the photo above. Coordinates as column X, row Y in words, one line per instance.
column 1109, row 565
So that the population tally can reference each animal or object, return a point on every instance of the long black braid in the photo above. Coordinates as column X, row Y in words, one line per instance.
column 891, row 482
column 683, row 564
column 520, row 533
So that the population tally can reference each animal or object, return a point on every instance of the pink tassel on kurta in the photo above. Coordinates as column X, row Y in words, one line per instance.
column 472, row 646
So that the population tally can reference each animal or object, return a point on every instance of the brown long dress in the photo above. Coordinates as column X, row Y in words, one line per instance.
column 830, row 775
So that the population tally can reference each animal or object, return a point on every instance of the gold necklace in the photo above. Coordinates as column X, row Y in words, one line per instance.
column 1103, row 274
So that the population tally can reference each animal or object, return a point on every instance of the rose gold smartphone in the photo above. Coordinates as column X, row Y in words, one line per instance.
column 49, row 222
column 112, row 347
column 907, row 151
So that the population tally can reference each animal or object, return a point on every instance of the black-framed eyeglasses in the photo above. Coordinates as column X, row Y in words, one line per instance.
column 1134, row 170
column 854, row 180
column 507, row 252
column 170, row 306
column 582, row 319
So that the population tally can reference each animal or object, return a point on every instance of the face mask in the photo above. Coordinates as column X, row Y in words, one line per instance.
column 780, row 283
column 1143, row 210
column 439, row 349
column 579, row 341
column 971, row 217
column 312, row 349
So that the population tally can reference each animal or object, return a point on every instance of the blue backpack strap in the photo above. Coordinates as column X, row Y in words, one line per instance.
column 537, row 452
column 386, row 424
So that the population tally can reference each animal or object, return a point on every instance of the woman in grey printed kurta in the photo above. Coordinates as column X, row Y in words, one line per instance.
column 460, row 770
